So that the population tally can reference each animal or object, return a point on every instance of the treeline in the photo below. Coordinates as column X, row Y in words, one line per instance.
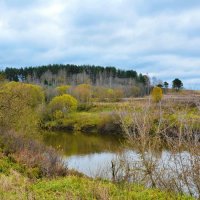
column 54, row 75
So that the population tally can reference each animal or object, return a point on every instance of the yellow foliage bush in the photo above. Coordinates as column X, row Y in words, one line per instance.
column 61, row 105
column 31, row 95
column 63, row 89
column 83, row 93
column 157, row 94
column 19, row 105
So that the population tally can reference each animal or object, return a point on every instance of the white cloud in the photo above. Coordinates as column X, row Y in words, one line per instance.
column 162, row 39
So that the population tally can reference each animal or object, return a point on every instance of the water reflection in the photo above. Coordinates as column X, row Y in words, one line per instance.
column 76, row 143
column 93, row 154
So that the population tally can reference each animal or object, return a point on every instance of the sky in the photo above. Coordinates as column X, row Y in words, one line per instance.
column 154, row 37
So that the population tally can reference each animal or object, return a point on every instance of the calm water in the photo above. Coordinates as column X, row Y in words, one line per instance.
column 93, row 154
column 89, row 154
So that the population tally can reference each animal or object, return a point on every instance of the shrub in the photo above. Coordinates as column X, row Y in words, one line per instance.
column 99, row 93
column 63, row 89
column 157, row 94
column 83, row 93
column 109, row 123
column 31, row 95
column 61, row 105
column 19, row 105
column 41, row 160
column 135, row 91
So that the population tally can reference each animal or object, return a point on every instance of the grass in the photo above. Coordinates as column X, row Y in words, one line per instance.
column 89, row 122
column 15, row 184
column 7, row 164
column 101, row 117
column 84, row 188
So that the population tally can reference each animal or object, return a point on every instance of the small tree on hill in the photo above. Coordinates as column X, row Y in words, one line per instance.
column 157, row 94
column 177, row 84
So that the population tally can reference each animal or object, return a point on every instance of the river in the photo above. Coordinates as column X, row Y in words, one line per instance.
column 93, row 154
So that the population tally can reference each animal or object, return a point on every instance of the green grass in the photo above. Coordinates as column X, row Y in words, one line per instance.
column 89, row 122
column 14, row 184
column 84, row 188
column 6, row 164
column 73, row 187
column 76, row 121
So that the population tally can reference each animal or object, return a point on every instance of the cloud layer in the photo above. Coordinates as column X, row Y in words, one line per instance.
column 161, row 38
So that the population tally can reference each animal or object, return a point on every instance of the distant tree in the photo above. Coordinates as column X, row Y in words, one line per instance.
column 53, row 75
column 2, row 77
column 157, row 94
column 45, row 82
column 160, row 85
column 177, row 84
column 166, row 85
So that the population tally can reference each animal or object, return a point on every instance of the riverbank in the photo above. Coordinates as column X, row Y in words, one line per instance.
column 93, row 118
column 106, row 118
column 15, row 184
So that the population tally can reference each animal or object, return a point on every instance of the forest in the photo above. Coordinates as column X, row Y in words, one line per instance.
column 74, row 74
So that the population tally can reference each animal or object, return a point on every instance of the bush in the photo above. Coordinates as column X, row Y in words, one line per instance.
column 157, row 94
column 31, row 95
column 109, row 123
column 63, row 89
column 62, row 105
column 83, row 93
column 41, row 160
column 20, row 104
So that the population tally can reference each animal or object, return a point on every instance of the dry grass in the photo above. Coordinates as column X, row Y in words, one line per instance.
column 147, row 129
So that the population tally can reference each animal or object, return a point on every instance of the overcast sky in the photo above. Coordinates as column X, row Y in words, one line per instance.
column 158, row 37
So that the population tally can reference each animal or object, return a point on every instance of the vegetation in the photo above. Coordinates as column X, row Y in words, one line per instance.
column 166, row 85
column 90, row 99
column 83, row 93
column 147, row 130
column 74, row 74
column 177, row 84
column 63, row 89
column 17, row 184
column 157, row 94
column 60, row 106
column 20, row 104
